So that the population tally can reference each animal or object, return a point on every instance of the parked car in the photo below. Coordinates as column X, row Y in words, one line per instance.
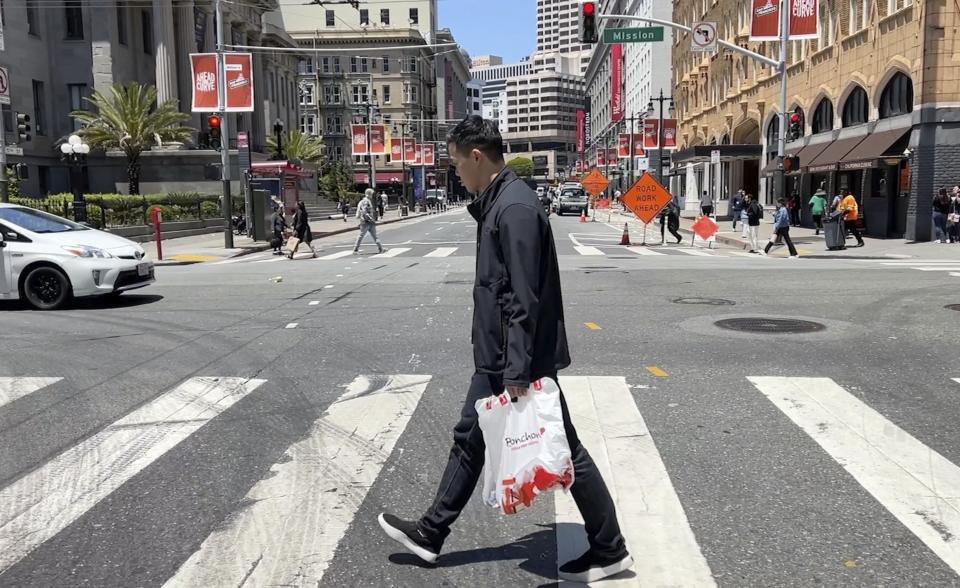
column 47, row 260
column 435, row 197
column 572, row 200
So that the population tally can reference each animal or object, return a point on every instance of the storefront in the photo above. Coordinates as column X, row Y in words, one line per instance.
column 694, row 170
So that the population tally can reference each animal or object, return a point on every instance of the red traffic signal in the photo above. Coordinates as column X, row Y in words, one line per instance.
column 214, row 121
column 795, row 118
column 791, row 163
column 588, row 26
column 589, row 8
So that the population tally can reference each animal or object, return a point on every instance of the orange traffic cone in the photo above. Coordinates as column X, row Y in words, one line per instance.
column 583, row 216
column 625, row 239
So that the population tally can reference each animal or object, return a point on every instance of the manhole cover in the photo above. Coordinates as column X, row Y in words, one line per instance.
column 770, row 325
column 705, row 301
column 952, row 307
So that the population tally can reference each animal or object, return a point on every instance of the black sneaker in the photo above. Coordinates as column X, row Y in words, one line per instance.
column 590, row 567
column 407, row 534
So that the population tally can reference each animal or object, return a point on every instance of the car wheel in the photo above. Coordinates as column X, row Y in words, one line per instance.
column 46, row 288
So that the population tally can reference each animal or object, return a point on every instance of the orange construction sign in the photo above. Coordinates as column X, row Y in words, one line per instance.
column 646, row 198
column 705, row 227
column 594, row 183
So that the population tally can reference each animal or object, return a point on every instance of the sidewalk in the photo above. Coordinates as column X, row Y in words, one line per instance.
column 808, row 244
column 204, row 248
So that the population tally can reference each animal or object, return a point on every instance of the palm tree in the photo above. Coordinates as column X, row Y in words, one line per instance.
column 298, row 146
column 127, row 119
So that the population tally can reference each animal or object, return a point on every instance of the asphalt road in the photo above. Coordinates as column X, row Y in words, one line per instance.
column 224, row 428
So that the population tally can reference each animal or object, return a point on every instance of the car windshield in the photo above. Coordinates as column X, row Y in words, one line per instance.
column 573, row 194
column 37, row 221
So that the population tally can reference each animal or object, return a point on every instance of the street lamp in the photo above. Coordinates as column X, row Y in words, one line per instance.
column 278, row 131
column 671, row 111
column 74, row 154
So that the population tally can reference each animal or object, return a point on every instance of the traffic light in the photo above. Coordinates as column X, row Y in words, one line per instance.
column 588, row 22
column 23, row 126
column 791, row 163
column 796, row 127
column 20, row 171
column 216, row 138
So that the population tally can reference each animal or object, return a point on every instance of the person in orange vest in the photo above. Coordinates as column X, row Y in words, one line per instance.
column 851, row 211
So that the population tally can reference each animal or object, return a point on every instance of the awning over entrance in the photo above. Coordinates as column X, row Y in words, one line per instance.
column 701, row 153
column 829, row 157
column 771, row 167
column 875, row 146
column 382, row 177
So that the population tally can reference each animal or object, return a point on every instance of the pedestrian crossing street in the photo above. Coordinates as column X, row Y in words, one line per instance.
column 288, row 527
column 950, row 267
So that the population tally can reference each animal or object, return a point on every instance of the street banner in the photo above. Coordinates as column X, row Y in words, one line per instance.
column 623, row 146
column 581, row 131
column 396, row 152
column 651, row 134
column 203, row 72
column 429, row 156
column 378, row 145
column 600, row 154
column 419, row 159
column 669, row 133
column 616, row 82
column 359, row 133
column 611, row 156
column 638, row 145
column 238, row 68
column 803, row 19
column 409, row 150
column 765, row 20
column 587, row 124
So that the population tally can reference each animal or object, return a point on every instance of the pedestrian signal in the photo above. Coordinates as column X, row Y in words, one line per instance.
column 791, row 163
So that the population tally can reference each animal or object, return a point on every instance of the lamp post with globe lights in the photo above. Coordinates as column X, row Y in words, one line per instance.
column 74, row 153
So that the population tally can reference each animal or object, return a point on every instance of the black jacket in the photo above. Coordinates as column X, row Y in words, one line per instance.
column 754, row 214
column 518, row 326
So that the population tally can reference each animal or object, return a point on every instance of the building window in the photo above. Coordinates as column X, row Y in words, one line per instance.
column 822, row 117
column 773, row 136
column 364, row 65
column 77, row 93
column 331, row 94
column 386, row 94
column 331, row 18
column 39, row 99
column 338, row 153
column 897, row 97
column 385, row 16
column 334, row 125
column 32, row 20
column 121, row 24
column 146, row 31
column 412, row 64
column 825, row 16
column 336, row 65
column 414, row 16
column 360, row 94
column 306, row 94
column 325, row 64
column 354, row 65
column 73, row 13
column 856, row 16
column 386, row 64
column 308, row 124
column 855, row 108
column 364, row 17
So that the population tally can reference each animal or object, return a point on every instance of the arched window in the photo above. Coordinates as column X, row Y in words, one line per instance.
column 773, row 136
column 897, row 97
column 855, row 108
column 822, row 117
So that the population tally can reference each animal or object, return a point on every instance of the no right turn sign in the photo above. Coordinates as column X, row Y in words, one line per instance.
column 704, row 37
column 4, row 86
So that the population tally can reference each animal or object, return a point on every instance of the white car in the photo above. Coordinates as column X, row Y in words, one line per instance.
column 46, row 260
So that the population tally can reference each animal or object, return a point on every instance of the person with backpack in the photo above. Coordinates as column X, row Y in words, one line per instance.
column 367, row 223
column 754, row 215
column 818, row 204
column 670, row 216
column 301, row 227
column 781, row 227
column 279, row 224
column 941, row 208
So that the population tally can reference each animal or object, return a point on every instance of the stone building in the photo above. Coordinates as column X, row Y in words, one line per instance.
column 877, row 95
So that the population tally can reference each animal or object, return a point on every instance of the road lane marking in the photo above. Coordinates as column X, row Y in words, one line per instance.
column 442, row 252
column 50, row 498
column 955, row 274
column 937, row 269
column 920, row 487
column 314, row 303
column 657, row 371
column 653, row 521
column 328, row 286
column 14, row 388
column 392, row 252
column 277, row 258
column 291, row 325
column 337, row 255
column 587, row 250
column 593, row 326
column 644, row 251
column 296, row 516
column 696, row 252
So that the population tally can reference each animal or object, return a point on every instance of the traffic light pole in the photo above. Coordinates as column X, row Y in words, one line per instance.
column 4, row 182
column 227, row 206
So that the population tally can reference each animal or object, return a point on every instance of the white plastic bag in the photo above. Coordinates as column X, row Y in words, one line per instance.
column 527, row 452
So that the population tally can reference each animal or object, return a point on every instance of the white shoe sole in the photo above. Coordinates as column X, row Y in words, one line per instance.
column 596, row 574
column 409, row 545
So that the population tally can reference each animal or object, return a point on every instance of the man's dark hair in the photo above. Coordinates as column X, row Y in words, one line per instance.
column 476, row 132
column 781, row 202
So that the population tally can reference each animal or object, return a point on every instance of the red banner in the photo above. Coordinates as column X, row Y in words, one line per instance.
column 239, row 71
column 581, row 131
column 429, row 156
column 765, row 20
column 359, row 133
column 616, row 82
column 623, row 146
column 612, row 156
column 378, row 141
column 651, row 137
column 803, row 19
column 203, row 68
column 669, row 133
column 638, row 146
column 600, row 154
column 419, row 159
column 396, row 152
column 410, row 150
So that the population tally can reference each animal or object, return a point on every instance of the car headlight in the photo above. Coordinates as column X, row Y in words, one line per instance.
column 87, row 251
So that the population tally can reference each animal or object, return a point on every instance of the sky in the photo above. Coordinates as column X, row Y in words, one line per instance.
column 507, row 28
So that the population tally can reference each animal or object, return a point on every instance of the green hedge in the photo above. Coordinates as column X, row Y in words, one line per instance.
column 120, row 210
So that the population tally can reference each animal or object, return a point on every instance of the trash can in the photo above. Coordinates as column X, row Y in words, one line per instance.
column 833, row 232
column 404, row 211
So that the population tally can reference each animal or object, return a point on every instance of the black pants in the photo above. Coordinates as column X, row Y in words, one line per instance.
column 783, row 233
column 818, row 222
column 669, row 222
column 795, row 216
column 852, row 227
column 465, row 465
column 706, row 209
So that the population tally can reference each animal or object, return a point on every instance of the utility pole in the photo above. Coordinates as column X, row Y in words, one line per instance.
column 371, row 166
column 4, row 182
column 780, row 190
column 225, row 128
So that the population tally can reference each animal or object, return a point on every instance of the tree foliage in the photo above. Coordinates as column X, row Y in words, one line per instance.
column 522, row 166
column 337, row 181
column 298, row 146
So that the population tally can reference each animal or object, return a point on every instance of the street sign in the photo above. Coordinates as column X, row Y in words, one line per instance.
column 715, row 156
column 4, row 86
column 705, row 227
column 646, row 198
column 633, row 35
column 594, row 183
column 704, row 36
column 11, row 150
column 642, row 164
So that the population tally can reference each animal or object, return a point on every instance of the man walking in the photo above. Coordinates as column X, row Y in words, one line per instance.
column 754, row 213
column 851, row 212
column 367, row 223
column 382, row 204
column 818, row 204
column 781, row 226
column 736, row 204
column 518, row 338
column 706, row 204
column 670, row 216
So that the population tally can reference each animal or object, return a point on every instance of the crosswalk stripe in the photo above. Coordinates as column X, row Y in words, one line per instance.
column 442, row 252
column 392, row 252
column 13, row 388
column 652, row 519
column 298, row 515
column 587, row 250
column 337, row 255
column 957, row 380
column 916, row 484
column 274, row 259
column 644, row 251
column 937, row 269
column 696, row 252
column 44, row 502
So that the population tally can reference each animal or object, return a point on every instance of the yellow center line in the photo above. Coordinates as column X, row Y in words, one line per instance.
column 657, row 371
column 593, row 326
